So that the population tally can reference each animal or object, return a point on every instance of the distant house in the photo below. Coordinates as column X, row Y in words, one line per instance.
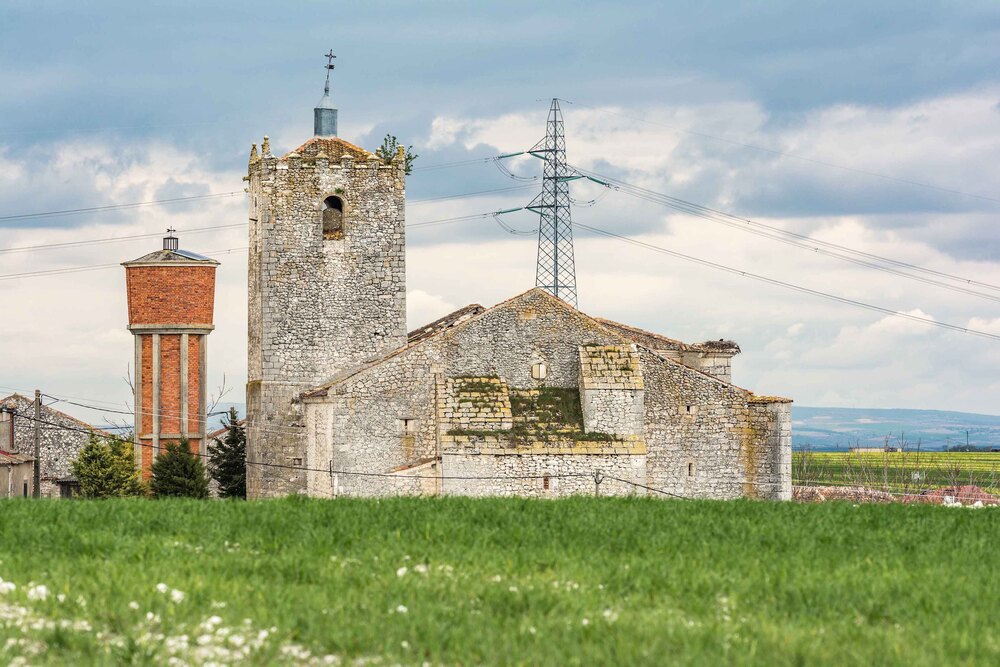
column 16, row 471
column 62, row 438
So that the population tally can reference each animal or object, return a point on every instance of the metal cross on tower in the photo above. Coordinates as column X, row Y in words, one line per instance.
column 556, row 270
column 329, row 67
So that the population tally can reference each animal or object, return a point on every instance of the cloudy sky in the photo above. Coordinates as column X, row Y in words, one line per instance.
column 876, row 128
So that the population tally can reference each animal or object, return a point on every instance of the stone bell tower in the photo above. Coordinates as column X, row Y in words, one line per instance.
column 327, row 285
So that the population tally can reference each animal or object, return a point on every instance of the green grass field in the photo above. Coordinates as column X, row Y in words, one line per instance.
column 907, row 471
column 497, row 581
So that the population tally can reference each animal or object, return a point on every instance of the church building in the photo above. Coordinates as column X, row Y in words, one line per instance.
column 529, row 397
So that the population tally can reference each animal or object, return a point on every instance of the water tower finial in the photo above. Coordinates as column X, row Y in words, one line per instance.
column 170, row 241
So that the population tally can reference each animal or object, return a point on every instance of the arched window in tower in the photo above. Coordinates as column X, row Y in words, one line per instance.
column 333, row 218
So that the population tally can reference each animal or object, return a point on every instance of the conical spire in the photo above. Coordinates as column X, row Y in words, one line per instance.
column 325, row 114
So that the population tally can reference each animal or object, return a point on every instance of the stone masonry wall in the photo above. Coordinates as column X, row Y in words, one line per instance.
column 702, row 437
column 62, row 438
column 707, row 438
column 540, row 474
column 611, row 389
column 355, row 425
column 317, row 306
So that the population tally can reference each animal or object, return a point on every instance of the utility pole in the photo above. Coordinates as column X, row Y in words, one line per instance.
column 37, row 481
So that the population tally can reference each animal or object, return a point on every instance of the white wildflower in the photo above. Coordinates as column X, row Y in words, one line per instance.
column 133, row 605
column 610, row 615
column 512, row 589
column 496, row 577
column 39, row 592
column 401, row 572
column 61, row 597
column 420, row 568
column 405, row 645
column 401, row 609
column 177, row 596
column 213, row 620
column 7, row 587
column 82, row 601
column 585, row 622
column 218, row 605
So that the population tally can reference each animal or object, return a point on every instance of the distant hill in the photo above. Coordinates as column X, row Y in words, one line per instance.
column 840, row 428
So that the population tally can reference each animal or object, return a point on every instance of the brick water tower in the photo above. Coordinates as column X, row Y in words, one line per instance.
column 171, row 299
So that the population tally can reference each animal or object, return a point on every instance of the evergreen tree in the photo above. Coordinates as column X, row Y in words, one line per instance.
column 179, row 472
column 106, row 468
column 228, row 458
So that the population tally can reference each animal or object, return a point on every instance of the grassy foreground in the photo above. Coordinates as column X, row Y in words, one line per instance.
column 498, row 581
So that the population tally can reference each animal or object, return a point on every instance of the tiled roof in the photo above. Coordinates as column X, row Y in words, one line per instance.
column 10, row 458
column 18, row 402
column 333, row 148
column 171, row 256
column 446, row 322
column 222, row 431
column 648, row 339
column 655, row 341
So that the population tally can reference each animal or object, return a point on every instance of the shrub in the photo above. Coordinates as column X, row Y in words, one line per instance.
column 106, row 468
column 179, row 472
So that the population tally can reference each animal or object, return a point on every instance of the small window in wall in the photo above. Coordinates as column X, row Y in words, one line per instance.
column 407, row 426
column 690, row 469
column 539, row 370
column 690, row 409
column 296, row 461
column 333, row 218
column 25, row 489
column 545, row 483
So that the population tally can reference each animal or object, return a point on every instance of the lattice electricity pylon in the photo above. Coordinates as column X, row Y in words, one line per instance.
column 556, row 270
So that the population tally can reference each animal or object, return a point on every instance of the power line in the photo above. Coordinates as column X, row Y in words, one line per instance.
column 793, row 156
column 115, row 207
column 470, row 194
column 94, row 267
column 115, row 239
column 779, row 283
column 458, row 163
column 697, row 209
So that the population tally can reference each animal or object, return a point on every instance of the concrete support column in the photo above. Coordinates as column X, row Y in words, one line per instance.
column 203, row 402
column 184, row 384
column 137, row 401
column 155, row 409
